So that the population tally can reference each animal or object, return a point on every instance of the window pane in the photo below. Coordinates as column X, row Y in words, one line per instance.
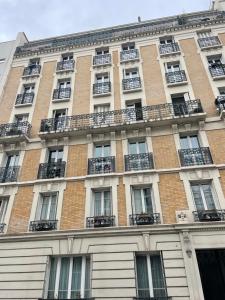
column 107, row 203
column 208, row 196
column 184, row 143
column 97, row 203
column 87, row 278
column 197, row 197
column 138, row 209
column 157, row 276
column 106, row 149
column 132, row 148
column 64, row 277
column 142, row 147
column 142, row 277
column 52, row 213
column 148, row 200
column 3, row 207
column 44, row 208
column 76, row 278
column 98, row 151
column 194, row 141
column 52, row 277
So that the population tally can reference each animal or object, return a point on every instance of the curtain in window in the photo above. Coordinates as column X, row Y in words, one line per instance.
column 52, row 213
column 148, row 200
column 51, row 284
column 197, row 197
column 3, row 206
column 87, row 279
column 97, row 204
column 157, row 277
column 142, row 277
column 64, row 276
column 208, row 196
column 44, row 207
column 107, row 203
column 138, row 202
column 76, row 278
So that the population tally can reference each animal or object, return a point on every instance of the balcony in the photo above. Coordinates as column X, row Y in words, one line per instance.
column 131, row 84
column 18, row 131
column 176, row 78
column 220, row 104
column 2, row 227
column 101, row 165
column 195, row 156
column 102, row 88
column 100, row 221
column 102, row 59
column 24, row 99
column 217, row 71
column 67, row 65
column 51, row 170
column 138, row 162
column 32, row 70
column 169, row 49
column 145, row 219
column 9, row 174
column 212, row 215
column 78, row 298
column 209, row 42
column 129, row 55
column 61, row 94
column 43, row 225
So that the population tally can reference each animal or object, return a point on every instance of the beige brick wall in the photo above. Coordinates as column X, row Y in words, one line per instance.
column 119, row 157
column 216, row 140
column 9, row 94
column 73, row 210
column 29, row 169
column 164, row 151
column 116, row 81
column 222, row 180
column 172, row 196
column 121, row 198
column 198, row 76
column 82, row 89
column 222, row 38
column 77, row 162
column 20, row 214
column 154, row 87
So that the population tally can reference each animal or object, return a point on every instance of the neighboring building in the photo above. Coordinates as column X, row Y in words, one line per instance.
column 7, row 50
column 113, row 163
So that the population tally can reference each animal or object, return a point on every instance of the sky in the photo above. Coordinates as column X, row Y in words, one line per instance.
column 48, row 18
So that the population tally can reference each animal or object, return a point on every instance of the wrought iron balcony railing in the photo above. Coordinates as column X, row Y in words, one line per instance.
column 2, row 226
column 131, row 83
column 122, row 117
column 169, row 48
column 195, row 156
column 211, row 41
column 51, row 170
column 137, row 162
column 220, row 102
column 63, row 93
column 217, row 70
column 127, row 55
column 176, row 77
column 152, row 298
column 32, row 70
column 67, row 65
column 43, row 225
column 9, row 174
column 209, row 215
column 102, row 59
column 15, row 129
column 102, row 88
column 101, row 165
column 145, row 219
column 78, row 298
column 25, row 98
column 100, row 221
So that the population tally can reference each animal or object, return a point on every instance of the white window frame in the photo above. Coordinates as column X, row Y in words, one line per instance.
column 102, row 201
column 144, row 208
column 102, row 78
column 40, row 205
column 215, row 199
column 131, row 73
column 137, row 146
column 189, row 140
column 4, row 201
column 170, row 67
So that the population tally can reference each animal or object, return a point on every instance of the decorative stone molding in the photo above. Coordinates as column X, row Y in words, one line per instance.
column 187, row 243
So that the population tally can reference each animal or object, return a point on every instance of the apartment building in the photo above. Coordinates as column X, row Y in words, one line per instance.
column 112, row 153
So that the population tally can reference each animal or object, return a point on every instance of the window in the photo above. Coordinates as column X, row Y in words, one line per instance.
column 10, row 171
column 101, row 117
column 47, row 206
column 204, row 34
column 3, row 207
column 34, row 62
column 150, row 276
column 203, row 196
column 134, row 113
column 102, row 203
column 128, row 46
column 12, row 160
column 214, row 60
column 131, row 73
column 55, row 156
column 102, row 51
column 102, row 150
column 64, row 84
column 189, row 142
column 28, row 89
column 142, row 201
column 166, row 40
column 59, row 116
column 101, row 78
column 21, row 118
column 66, row 57
column 137, row 147
column 69, row 278
column 173, row 67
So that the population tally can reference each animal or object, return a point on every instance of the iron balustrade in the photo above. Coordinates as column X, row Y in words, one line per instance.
column 127, row 55
column 169, row 48
column 51, row 170
column 176, row 77
column 209, row 215
column 137, row 162
column 217, row 70
column 102, row 59
column 152, row 298
column 100, row 221
column 195, row 156
column 131, row 83
column 101, row 165
column 67, row 65
column 66, row 298
column 220, row 102
column 25, row 98
column 121, row 117
column 2, row 226
column 63, row 93
column 9, row 174
column 43, row 225
column 101, row 88
column 32, row 70
column 145, row 219
column 14, row 129
column 210, row 41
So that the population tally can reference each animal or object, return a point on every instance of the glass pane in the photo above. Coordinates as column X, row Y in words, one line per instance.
column 59, row 155
column 194, row 141
column 76, row 278
column 184, row 143
column 98, row 151
column 87, row 279
column 3, row 207
column 138, row 209
column 106, row 150
column 52, row 214
column 44, row 207
column 148, row 200
column 97, row 203
column 132, row 147
column 142, row 277
column 197, row 197
column 159, row 288
column 64, row 278
column 107, row 203
column 208, row 196
column 142, row 147
column 52, row 277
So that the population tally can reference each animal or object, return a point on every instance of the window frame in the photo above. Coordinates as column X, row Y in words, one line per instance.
column 102, row 191
column 39, row 207
column 4, row 201
column 143, row 204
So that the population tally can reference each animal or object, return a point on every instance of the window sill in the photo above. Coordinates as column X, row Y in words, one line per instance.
column 102, row 95
column 170, row 54
column 60, row 100
column 219, row 77
column 132, row 90
column 23, row 104
column 129, row 60
column 211, row 47
column 177, row 83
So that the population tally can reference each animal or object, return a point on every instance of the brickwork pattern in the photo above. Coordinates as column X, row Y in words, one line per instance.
column 77, row 162
column 30, row 165
column 121, row 198
column 116, row 80
column 119, row 157
column 216, row 140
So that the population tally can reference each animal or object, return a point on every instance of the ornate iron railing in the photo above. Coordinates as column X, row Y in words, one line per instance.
column 25, row 98
column 209, row 215
column 9, row 174
column 209, row 42
column 220, row 102
column 2, row 226
column 51, row 170
column 66, row 65
column 195, row 156
column 169, row 48
column 32, row 70
column 102, row 59
column 217, row 70
column 43, row 225
column 63, row 93
column 101, row 88
column 100, row 221
column 152, row 298
column 176, row 77
column 123, row 116
column 66, row 299
column 17, row 128
column 100, row 165
column 145, row 219
column 137, row 162
column 131, row 83
column 127, row 55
